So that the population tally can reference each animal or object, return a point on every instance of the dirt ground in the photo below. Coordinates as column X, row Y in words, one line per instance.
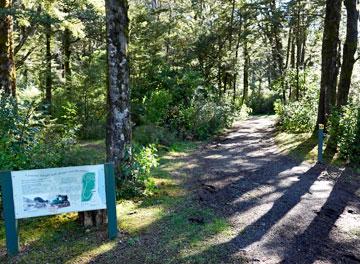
column 280, row 210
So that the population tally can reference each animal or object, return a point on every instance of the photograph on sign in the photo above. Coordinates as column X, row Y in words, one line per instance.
column 55, row 191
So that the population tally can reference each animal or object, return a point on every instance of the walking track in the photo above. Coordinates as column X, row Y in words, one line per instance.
column 280, row 210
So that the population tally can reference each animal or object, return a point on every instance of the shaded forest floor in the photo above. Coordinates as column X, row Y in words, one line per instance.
column 237, row 199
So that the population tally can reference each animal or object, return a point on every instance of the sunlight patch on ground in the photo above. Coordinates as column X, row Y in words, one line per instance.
column 133, row 218
column 88, row 256
column 349, row 222
column 287, row 142
column 221, row 234
column 214, row 156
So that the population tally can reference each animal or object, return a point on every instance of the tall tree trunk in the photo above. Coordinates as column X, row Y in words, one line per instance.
column 347, row 66
column 329, row 65
column 7, row 63
column 48, row 75
column 246, row 73
column 118, row 133
column 118, row 130
column 67, row 55
column 234, row 83
column 349, row 50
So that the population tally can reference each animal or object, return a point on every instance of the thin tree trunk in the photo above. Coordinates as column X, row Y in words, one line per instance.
column 7, row 63
column 246, row 73
column 67, row 55
column 48, row 75
column 236, row 59
column 349, row 51
column 329, row 65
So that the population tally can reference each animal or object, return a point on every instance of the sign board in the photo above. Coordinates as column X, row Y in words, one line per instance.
column 55, row 191
column 44, row 192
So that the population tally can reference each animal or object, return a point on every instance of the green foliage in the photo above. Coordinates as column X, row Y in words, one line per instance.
column 136, row 171
column 262, row 104
column 29, row 139
column 151, row 134
column 299, row 116
column 157, row 106
column 344, row 128
column 201, row 119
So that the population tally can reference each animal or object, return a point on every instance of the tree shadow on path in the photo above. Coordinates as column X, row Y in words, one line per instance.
column 315, row 242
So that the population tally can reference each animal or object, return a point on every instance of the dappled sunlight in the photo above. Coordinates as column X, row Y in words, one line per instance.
column 215, row 156
column 349, row 223
column 133, row 218
column 88, row 256
column 218, row 239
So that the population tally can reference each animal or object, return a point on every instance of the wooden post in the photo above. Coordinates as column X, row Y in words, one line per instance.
column 321, row 143
column 11, row 224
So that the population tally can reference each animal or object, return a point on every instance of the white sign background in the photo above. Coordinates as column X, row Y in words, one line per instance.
column 59, row 190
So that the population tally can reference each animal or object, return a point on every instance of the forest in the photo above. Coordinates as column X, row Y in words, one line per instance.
column 176, row 94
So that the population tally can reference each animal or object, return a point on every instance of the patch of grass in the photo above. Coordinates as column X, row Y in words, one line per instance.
column 299, row 146
column 86, row 153
column 183, row 146
column 304, row 147
column 155, row 229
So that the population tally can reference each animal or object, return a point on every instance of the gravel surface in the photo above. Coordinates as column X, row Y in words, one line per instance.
column 281, row 210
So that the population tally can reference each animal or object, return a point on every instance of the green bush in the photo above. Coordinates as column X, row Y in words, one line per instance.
column 262, row 105
column 298, row 116
column 29, row 139
column 157, row 107
column 136, row 171
column 201, row 119
column 151, row 134
column 344, row 127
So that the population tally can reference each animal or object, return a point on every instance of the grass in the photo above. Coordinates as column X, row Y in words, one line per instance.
column 304, row 147
column 154, row 229
column 299, row 146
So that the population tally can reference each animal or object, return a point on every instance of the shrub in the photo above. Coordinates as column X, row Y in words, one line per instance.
column 151, row 134
column 157, row 107
column 29, row 139
column 204, row 116
column 344, row 126
column 261, row 104
column 136, row 171
column 299, row 116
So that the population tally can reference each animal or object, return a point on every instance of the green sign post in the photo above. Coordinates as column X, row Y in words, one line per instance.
column 8, row 183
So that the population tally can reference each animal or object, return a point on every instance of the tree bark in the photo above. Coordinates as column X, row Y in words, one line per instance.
column 246, row 73
column 118, row 130
column 118, row 133
column 7, row 63
column 48, row 74
column 67, row 55
column 349, row 51
column 329, row 65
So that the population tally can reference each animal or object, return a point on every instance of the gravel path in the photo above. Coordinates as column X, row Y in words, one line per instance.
column 280, row 210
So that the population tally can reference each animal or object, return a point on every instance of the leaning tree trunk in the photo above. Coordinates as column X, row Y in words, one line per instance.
column 349, row 51
column 329, row 65
column 7, row 64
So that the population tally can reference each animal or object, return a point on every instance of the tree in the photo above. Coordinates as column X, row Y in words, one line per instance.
column 48, row 62
column 118, row 133
column 7, row 64
column 349, row 50
column 329, row 65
